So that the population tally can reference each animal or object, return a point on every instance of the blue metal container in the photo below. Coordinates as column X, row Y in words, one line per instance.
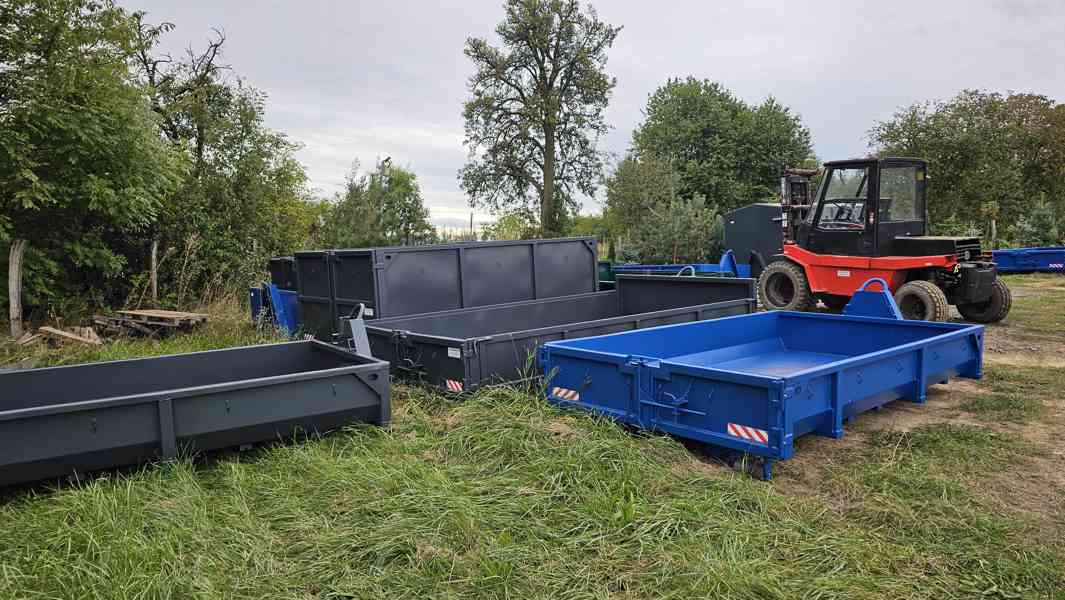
column 726, row 266
column 1031, row 260
column 272, row 304
column 755, row 383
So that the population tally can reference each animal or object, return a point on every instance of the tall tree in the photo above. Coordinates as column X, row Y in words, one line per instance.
column 720, row 147
column 536, row 112
column 83, row 163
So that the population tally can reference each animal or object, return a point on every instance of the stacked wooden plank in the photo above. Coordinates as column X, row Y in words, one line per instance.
column 81, row 335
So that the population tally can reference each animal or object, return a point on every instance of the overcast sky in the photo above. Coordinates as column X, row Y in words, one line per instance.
column 365, row 80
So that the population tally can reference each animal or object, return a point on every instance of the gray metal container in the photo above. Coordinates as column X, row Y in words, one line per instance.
column 65, row 420
column 407, row 280
column 461, row 350
column 283, row 273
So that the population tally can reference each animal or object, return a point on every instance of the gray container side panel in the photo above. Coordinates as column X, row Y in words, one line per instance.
column 317, row 318
column 418, row 281
column 74, row 436
column 755, row 227
column 510, row 356
column 312, row 271
column 498, row 274
column 502, row 359
column 648, row 293
column 566, row 267
column 353, row 277
column 503, row 318
column 35, row 388
column 283, row 273
column 408, row 280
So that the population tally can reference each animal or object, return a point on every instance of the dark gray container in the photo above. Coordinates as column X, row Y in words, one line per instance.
column 407, row 280
column 283, row 273
column 463, row 349
column 65, row 420
column 317, row 309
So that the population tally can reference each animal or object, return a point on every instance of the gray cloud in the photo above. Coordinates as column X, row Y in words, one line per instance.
column 365, row 80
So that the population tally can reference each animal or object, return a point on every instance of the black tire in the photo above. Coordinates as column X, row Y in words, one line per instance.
column 783, row 286
column 993, row 310
column 922, row 301
column 835, row 303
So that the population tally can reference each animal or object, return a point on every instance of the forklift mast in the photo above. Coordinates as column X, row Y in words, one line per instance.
column 796, row 198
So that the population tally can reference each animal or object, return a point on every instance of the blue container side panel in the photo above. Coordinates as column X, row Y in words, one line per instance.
column 756, row 383
column 255, row 300
column 1030, row 260
column 604, row 387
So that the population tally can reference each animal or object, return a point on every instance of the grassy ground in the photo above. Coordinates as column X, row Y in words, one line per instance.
column 504, row 496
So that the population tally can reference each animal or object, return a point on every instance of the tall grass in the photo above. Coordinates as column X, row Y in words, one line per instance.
column 503, row 496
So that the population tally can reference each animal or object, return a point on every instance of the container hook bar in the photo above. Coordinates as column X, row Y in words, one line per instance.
column 868, row 303
column 359, row 342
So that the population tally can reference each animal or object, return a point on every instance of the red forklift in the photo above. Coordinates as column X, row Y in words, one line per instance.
column 868, row 219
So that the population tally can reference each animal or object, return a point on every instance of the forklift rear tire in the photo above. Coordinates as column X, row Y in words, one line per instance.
column 994, row 310
column 922, row 301
column 783, row 286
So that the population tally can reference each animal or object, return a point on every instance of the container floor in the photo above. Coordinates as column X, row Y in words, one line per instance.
column 776, row 363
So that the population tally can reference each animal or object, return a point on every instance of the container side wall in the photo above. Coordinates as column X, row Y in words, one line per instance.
column 419, row 281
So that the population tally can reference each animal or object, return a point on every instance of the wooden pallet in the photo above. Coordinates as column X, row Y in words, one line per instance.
column 150, row 322
column 165, row 317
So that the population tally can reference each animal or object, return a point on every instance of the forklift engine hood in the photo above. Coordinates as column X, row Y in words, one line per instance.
column 965, row 248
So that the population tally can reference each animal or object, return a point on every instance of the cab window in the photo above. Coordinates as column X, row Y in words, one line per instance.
column 844, row 199
column 900, row 199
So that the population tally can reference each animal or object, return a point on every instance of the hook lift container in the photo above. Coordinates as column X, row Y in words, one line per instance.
column 61, row 421
column 755, row 383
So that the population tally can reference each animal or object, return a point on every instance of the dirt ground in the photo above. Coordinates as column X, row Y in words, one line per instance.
column 1032, row 337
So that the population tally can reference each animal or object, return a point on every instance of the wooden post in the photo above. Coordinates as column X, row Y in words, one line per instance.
column 14, row 285
column 153, row 274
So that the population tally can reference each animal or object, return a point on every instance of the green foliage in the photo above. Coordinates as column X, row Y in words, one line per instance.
column 588, row 225
column 244, row 198
column 381, row 208
column 83, row 166
column 519, row 224
column 644, row 208
column 985, row 149
column 720, row 147
column 1038, row 227
column 537, row 110
column 679, row 232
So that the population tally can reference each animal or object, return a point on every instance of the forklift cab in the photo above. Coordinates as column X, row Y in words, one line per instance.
column 862, row 206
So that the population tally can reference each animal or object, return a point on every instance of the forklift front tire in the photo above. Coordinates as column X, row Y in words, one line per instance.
column 783, row 286
column 993, row 310
column 922, row 301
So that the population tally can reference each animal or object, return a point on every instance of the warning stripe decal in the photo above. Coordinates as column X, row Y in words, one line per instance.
column 751, row 434
column 453, row 386
column 571, row 395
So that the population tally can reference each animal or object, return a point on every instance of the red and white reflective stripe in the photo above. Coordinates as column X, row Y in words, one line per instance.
column 565, row 394
column 758, row 436
column 453, row 386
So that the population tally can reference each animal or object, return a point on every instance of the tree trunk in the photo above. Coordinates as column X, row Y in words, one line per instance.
column 153, row 273
column 994, row 233
column 14, row 285
column 548, row 222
